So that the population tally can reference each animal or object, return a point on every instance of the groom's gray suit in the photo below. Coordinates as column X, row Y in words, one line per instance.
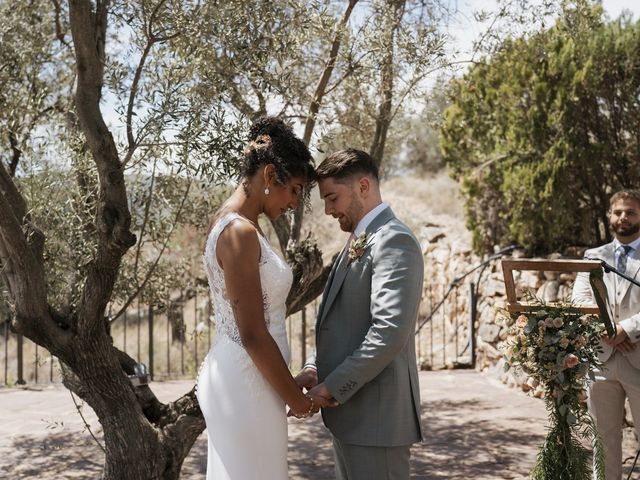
column 365, row 346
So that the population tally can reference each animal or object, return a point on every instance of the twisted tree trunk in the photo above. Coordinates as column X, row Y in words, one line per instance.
column 144, row 439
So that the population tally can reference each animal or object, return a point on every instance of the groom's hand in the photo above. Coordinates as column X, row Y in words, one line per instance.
column 307, row 378
column 621, row 336
column 322, row 393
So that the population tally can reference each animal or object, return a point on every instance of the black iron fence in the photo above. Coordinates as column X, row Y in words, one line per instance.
column 172, row 340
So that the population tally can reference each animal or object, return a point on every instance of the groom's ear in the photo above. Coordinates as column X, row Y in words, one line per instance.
column 364, row 186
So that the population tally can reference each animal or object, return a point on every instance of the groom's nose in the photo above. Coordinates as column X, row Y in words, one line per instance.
column 328, row 209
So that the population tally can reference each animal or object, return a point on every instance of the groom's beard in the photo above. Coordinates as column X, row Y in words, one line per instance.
column 352, row 214
column 626, row 230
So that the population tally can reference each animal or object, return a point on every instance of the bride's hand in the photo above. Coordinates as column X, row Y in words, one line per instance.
column 307, row 378
column 309, row 410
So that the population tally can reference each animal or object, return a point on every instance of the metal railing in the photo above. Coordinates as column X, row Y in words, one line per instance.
column 459, row 360
column 171, row 342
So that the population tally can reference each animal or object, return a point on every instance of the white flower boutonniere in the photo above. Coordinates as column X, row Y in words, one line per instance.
column 358, row 246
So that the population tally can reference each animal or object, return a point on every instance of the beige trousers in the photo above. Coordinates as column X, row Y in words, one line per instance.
column 617, row 380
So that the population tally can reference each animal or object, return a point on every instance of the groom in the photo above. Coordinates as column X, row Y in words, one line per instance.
column 365, row 349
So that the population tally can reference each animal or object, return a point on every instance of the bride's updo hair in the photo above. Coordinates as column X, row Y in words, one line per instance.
column 271, row 141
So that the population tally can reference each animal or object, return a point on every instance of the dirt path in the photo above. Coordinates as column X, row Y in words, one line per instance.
column 476, row 428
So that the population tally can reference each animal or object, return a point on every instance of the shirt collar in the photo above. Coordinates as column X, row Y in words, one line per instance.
column 635, row 244
column 368, row 218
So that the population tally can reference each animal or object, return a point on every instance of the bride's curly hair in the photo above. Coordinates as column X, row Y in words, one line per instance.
column 271, row 141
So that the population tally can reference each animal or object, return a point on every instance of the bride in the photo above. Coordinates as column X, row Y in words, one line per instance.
column 244, row 382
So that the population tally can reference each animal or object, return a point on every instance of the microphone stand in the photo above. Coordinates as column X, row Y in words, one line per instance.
column 609, row 268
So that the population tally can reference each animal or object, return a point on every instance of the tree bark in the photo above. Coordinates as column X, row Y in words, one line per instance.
column 144, row 439
column 383, row 120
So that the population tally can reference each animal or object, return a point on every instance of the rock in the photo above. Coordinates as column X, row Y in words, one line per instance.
column 504, row 333
column 490, row 333
column 494, row 288
column 566, row 277
column 564, row 292
column 549, row 291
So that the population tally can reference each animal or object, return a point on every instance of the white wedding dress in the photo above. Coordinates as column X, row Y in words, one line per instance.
column 246, row 418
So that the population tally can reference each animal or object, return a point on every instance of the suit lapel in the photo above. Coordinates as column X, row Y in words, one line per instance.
column 633, row 265
column 340, row 273
column 327, row 287
column 334, row 284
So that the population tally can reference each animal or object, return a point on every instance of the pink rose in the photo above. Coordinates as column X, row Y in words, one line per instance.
column 522, row 321
column 558, row 322
column 571, row 361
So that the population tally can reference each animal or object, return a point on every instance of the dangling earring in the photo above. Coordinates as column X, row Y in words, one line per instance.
column 266, row 190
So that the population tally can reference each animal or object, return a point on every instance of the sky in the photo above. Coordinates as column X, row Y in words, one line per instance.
column 464, row 29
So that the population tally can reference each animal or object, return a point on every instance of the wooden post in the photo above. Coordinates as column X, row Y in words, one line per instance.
column 150, row 342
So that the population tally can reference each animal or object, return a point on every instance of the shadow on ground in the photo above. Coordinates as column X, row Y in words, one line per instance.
column 473, row 430
column 60, row 455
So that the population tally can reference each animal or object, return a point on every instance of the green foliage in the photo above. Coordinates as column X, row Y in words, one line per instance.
column 563, row 455
column 541, row 133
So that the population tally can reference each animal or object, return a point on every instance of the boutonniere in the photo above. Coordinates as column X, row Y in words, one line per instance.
column 358, row 246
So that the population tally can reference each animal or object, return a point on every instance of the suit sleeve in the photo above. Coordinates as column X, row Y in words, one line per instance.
column 310, row 361
column 396, row 289
column 582, row 293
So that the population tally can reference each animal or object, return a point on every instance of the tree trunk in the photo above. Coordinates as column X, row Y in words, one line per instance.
column 383, row 120
column 144, row 439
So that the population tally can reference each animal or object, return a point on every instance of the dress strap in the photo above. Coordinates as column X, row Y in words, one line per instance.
column 219, row 227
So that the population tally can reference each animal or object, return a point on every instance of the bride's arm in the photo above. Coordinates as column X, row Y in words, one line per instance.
column 238, row 252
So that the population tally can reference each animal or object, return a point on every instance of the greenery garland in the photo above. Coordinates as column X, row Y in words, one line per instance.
column 557, row 347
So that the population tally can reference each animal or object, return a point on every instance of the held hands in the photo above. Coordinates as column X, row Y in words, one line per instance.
column 322, row 392
column 307, row 378
column 319, row 395
column 621, row 341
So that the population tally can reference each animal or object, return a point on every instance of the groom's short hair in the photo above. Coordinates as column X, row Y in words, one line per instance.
column 346, row 163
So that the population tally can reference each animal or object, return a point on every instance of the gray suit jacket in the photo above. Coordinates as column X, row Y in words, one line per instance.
column 624, row 298
column 365, row 339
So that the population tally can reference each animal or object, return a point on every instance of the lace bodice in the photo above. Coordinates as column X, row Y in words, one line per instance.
column 275, row 278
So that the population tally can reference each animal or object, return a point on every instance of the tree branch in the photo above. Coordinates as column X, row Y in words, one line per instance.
column 59, row 32
column 314, row 108
column 131, row 142
column 326, row 74
column 15, row 200
column 383, row 120
column 155, row 263
column 113, row 220
column 23, row 273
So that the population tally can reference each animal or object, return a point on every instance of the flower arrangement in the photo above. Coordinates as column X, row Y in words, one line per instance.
column 557, row 347
column 358, row 246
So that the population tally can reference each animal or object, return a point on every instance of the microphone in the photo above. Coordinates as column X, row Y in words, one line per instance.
column 605, row 266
